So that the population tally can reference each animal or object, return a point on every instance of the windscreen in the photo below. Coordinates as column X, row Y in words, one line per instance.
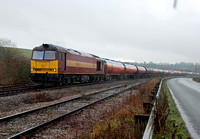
column 44, row 55
column 50, row 55
column 38, row 55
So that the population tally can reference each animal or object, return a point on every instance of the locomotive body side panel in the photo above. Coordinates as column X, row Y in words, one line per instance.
column 76, row 64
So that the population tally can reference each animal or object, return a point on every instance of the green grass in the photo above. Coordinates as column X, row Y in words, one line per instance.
column 175, row 126
column 25, row 52
column 196, row 79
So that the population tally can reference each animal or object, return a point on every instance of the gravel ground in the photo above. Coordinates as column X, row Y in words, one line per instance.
column 36, row 118
column 45, row 115
column 76, row 126
column 14, row 104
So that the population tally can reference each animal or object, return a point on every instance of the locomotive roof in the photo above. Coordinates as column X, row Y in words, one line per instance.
column 52, row 47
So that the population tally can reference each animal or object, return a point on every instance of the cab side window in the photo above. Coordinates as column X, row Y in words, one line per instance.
column 61, row 56
column 98, row 66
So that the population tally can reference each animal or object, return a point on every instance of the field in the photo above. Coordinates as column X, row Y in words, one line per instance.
column 25, row 52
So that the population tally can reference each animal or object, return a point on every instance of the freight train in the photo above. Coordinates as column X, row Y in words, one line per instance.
column 55, row 64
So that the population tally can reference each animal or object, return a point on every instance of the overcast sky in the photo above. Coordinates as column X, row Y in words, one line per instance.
column 126, row 30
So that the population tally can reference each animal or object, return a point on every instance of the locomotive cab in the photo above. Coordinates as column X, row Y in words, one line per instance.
column 44, row 64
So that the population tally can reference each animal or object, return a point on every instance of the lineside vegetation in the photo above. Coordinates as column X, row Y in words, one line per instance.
column 170, row 123
column 196, row 79
column 120, row 122
column 15, row 68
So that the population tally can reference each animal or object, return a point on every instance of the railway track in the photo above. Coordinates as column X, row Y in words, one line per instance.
column 54, row 112
column 15, row 90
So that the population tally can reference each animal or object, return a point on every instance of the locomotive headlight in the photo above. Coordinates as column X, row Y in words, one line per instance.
column 32, row 69
column 54, row 70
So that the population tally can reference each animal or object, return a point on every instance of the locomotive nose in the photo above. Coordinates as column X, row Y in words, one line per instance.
column 44, row 67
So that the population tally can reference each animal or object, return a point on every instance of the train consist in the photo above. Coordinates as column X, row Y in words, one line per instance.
column 51, row 63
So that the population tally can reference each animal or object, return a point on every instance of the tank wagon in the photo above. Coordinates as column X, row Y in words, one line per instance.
column 55, row 64
column 152, row 72
column 141, row 71
column 131, row 70
column 113, row 69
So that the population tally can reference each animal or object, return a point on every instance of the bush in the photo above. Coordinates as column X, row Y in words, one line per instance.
column 161, row 112
column 196, row 79
column 40, row 97
column 14, row 67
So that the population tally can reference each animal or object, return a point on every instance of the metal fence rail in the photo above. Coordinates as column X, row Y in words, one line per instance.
column 149, row 128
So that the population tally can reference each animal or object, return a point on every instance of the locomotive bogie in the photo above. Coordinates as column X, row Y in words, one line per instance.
column 41, row 78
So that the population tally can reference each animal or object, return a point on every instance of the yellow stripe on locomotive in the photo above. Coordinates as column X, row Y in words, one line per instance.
column 73, row 63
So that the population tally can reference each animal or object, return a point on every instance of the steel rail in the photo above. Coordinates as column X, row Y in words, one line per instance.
column 14, row 90
column 31, row 131
column 9, row 117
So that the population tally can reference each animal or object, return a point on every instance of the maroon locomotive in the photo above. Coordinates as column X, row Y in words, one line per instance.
column 51, row 63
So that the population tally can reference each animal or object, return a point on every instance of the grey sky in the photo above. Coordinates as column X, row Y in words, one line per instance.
column 127, row 30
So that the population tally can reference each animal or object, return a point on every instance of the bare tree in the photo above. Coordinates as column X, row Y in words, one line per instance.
column 6, row 43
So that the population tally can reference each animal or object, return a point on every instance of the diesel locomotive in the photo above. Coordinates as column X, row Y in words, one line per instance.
column 55, row 64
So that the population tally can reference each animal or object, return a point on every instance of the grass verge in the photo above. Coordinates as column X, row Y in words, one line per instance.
column 196, row 79
column 174, row 127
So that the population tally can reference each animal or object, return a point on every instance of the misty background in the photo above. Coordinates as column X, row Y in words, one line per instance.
column 140, row 31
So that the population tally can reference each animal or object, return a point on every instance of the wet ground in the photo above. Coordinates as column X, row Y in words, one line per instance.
column 186, row 94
